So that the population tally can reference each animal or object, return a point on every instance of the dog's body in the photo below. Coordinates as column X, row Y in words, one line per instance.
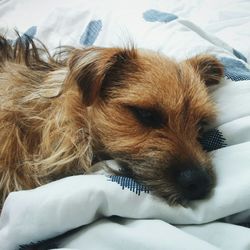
column 135, row 106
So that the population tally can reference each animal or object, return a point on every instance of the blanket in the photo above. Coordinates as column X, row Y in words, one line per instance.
column 114, row 212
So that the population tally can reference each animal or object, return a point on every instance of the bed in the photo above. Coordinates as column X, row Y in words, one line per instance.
column 114, row 212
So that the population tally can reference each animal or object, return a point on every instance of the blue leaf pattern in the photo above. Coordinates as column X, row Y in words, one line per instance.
column 213, row 139
column 235, row 69
column 239, row 55
column 31, row 32
column 132, row 185
column 158, row 16
column 91, row 33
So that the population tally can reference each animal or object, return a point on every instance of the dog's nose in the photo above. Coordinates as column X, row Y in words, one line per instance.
column 194, row 183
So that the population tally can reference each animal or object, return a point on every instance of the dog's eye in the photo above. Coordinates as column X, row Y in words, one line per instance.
column 148, row 117
column 202, row 124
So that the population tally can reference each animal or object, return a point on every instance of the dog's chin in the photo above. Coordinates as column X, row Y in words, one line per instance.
column 166, row 190
column 172, row 198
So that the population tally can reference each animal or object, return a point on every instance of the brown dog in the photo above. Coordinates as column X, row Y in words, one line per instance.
column 58, row 114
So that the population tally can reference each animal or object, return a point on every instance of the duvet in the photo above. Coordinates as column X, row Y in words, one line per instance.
column 114, row 212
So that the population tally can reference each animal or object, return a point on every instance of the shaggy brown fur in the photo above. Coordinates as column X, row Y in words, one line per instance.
column 136, row 106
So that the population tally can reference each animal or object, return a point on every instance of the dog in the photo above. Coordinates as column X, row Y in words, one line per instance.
column 59, row 114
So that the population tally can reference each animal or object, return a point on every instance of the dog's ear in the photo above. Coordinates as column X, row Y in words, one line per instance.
column 95, row 69
column 209, row 68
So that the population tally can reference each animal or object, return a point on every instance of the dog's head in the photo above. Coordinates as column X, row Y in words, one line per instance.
column 148, row 112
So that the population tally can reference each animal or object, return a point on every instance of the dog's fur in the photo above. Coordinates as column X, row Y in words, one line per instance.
column 57, row 114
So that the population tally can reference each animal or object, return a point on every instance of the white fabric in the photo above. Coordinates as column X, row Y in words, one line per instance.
column 144, row 222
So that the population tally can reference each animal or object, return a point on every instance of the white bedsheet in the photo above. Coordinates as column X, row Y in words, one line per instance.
column 179, row 29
